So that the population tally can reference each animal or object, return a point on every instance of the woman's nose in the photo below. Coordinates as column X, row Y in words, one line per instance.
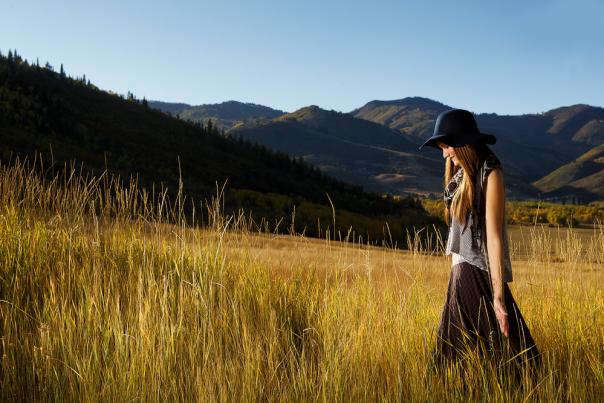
column 444, row 152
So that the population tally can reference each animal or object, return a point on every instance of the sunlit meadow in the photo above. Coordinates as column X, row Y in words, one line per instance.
column 109, row 294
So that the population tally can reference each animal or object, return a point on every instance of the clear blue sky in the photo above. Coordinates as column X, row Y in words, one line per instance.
column 507, row 56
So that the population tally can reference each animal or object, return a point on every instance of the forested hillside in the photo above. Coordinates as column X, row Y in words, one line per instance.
column 69, row 119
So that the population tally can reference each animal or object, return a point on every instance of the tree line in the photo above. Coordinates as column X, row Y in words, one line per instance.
column 42, row 110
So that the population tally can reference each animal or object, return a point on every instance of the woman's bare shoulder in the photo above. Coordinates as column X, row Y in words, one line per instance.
column 494, row 187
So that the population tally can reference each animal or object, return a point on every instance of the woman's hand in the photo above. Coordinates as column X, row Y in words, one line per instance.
column 502, row 316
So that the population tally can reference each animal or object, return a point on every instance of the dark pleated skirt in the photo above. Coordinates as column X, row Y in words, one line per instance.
column 468, row 321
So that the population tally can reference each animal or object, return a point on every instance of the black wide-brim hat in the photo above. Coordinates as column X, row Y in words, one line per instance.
column 457, row 128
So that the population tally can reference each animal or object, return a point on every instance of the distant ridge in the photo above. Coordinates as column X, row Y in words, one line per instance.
column 413, row 116
column 355, row 150
column 224, row 115
column 172, row 108
column 578, row 123
column 586, row 174
column 531, row 145
column 408, row 102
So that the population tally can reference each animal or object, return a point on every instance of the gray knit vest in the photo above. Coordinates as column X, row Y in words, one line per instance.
column 467, row 240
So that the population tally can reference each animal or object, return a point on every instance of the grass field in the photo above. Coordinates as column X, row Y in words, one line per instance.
column 106, row 295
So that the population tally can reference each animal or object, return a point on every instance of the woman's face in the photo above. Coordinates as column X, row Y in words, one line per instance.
column 449, row 152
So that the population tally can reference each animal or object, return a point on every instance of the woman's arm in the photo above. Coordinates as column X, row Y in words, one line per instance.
column 495, row 194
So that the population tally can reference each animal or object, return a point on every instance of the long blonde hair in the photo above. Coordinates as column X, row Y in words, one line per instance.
column 463, row 200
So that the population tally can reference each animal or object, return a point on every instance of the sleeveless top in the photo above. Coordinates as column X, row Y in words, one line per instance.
column 465, row 242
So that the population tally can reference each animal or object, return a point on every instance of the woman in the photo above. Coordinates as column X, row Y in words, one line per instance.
column 480, row 312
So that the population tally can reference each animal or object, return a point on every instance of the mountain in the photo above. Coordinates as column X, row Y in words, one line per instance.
column 531, row 145
column 578, row 123
column 354, row 150
column 537, row 144
column 224, row 115
column 583, row 175
column 69, row 119
column 413, row 116
column 172, row 108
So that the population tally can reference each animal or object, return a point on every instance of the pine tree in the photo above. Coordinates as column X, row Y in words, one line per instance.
column 62, row 71
column 17, row 57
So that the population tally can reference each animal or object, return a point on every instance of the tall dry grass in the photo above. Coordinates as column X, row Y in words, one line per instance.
column 108, row 294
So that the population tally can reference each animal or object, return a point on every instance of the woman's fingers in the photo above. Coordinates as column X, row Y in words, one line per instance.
column 504, row 325
column 499, row 308
column 502, row 318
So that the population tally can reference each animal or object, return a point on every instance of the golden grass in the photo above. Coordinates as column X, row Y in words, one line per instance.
column 106, row 295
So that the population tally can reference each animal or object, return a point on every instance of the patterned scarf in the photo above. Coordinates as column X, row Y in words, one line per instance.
column 477, row 220
column 452, row 187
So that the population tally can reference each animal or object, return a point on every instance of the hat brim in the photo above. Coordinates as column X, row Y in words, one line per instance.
column 456, row 141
